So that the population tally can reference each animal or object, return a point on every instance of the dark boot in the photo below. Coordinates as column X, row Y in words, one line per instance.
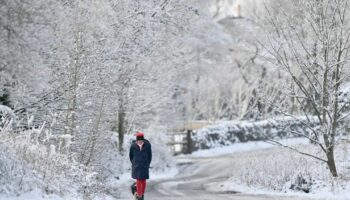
column 140, row 198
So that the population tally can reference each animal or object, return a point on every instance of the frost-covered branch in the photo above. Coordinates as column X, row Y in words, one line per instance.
column 296, row 150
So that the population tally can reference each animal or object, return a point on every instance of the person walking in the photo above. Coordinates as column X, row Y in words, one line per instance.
column 140, row 155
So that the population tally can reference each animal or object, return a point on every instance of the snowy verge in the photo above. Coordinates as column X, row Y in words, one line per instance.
column 34, row 165
column 229, row 186
column 39, row 195
column 34, row 194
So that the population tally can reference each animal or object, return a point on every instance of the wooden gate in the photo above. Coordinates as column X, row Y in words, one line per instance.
column 182, row 142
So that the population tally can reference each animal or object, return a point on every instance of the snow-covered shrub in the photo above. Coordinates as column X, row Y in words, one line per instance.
column 301, row 183
column 6, row 115
column 15, row 175
column 243, row 131
column 344, row 102
column 34, row 159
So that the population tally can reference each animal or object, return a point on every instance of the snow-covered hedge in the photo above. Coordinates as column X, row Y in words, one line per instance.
column 231, row 132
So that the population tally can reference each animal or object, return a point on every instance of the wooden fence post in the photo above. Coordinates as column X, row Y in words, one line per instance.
column 189, row 141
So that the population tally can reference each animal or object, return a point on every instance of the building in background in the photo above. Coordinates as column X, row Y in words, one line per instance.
column 235, row 8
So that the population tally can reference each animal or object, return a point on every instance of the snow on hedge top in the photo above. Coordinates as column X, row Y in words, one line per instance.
column 228, row 133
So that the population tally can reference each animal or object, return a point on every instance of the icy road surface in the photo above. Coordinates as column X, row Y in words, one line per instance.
column 191, row 182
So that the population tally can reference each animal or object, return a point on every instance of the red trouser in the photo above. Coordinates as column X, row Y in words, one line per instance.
column 140, row 186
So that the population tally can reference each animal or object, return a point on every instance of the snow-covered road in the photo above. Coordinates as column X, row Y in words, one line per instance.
column 191, row 183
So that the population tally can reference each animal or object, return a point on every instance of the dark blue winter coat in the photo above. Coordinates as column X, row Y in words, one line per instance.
column 141, row 160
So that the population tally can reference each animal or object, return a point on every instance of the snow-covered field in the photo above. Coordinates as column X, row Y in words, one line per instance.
column 261, row 168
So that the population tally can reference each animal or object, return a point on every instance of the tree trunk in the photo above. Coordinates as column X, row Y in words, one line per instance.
column 330, row 153
column 331, row 163
column 73, row 78
column 94, row 135
column 121, row 129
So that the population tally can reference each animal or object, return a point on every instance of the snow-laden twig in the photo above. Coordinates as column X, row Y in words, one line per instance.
column 296, row 150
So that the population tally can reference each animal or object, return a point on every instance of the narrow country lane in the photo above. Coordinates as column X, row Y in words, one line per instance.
column 191, row 182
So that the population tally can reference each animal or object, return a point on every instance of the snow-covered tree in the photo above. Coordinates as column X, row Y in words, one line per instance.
column 309, row 40
column 84, row 67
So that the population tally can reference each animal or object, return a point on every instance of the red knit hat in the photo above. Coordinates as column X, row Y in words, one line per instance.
column 139, row 136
